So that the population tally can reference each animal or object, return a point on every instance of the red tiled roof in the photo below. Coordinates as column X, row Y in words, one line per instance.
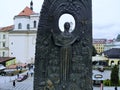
column 3, row 59
column 99, row 41
column 110, row 41
column 7, row 28
column 26, row 12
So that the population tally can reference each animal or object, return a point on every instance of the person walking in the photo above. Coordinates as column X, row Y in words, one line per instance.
column 115, row 87
column 14, row 83
column 17, row 75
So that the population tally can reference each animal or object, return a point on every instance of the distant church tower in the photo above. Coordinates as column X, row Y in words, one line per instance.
column 31, row 5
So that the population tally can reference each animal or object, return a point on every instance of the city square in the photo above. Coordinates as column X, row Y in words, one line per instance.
column 66, row 46
column 6, row 83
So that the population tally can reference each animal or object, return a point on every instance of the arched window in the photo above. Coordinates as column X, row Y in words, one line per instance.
column 35, row 24
column 28, row 26
column 19, row 26
column 112, row 62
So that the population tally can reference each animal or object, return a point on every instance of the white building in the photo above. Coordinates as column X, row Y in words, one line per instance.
column 4, row 41
column 23, row 37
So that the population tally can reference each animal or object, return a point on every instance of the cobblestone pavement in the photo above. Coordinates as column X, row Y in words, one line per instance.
column 7, row 84
column 28, row 85
column 24, row 85
column 106, row 88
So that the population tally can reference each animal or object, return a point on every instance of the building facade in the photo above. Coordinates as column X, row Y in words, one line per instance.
column 23, row 37
column 4, row 41
column 99, row 44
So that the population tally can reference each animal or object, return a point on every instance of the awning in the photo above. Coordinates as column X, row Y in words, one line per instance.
column 2, row 67
column 99, row 58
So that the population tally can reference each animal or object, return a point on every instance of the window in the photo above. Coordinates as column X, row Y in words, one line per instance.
column 0, row 54
column 4, row 44
column 19, row 26
column 28, row 26
column 112, row 62
column 11, row 53
column 35, row 24
column 4, row 36
column 11, row 43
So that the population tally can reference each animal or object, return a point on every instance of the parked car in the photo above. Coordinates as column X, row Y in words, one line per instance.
column 101, row 68
column 22, row 78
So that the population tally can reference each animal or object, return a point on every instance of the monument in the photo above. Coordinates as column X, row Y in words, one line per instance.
column 64, row 48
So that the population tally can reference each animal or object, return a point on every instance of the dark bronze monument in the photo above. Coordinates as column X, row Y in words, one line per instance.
column 63, row 55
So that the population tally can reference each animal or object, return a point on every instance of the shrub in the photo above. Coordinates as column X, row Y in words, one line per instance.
column 114, row 76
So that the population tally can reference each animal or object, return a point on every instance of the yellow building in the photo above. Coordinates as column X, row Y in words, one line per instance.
column 113, row 56
column 99, row 44
column 113, row 61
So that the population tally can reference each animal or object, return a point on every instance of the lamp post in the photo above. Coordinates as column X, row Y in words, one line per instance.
column 101, row 86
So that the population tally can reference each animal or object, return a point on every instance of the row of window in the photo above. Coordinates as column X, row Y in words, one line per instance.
column 99, row 47
column 112, row 62
column 28, row 25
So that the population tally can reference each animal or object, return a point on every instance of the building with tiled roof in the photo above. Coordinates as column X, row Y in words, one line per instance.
column 23, row 37
column 26, row 12
column 99, row 44
column 7, row 28
column 4, row 40
column 18, row 40
column 27, row 19
column 113, row 55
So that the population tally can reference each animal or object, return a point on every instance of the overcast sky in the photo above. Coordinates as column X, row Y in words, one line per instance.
column 106, row 15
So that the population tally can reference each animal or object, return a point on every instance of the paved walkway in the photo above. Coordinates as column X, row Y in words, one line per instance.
column 106, row 88
column 7, row 84
column 24, row 85
column 28, row 85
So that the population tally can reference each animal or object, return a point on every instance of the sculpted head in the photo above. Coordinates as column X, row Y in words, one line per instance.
column 67, row 26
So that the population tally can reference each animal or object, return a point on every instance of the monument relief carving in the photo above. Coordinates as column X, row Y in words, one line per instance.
column 64, row 46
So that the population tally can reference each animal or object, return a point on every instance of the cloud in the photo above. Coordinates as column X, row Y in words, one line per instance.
column 106, row 18
column 107, row 31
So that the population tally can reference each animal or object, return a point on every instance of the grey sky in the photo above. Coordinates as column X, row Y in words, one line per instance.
column 106, row 18
column 106, row 15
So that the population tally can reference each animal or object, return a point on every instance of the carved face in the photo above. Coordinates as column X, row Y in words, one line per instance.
column 67, row 26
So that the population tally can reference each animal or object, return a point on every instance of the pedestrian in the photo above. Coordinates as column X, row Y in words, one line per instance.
column 115, row 87
column 31, row 74
column 17, row 75
column 13, row 83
